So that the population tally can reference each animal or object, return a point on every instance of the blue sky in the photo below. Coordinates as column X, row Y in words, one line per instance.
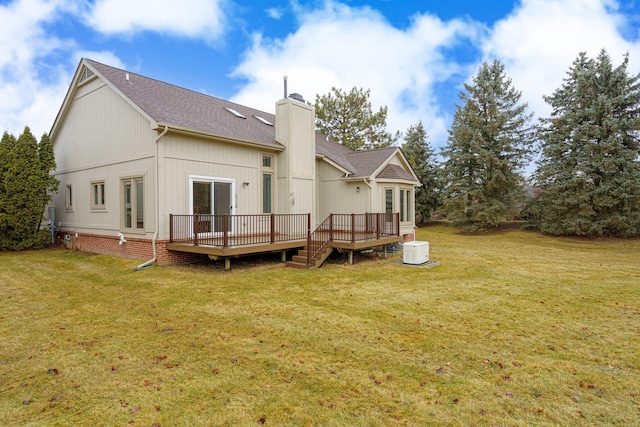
column 412, row 55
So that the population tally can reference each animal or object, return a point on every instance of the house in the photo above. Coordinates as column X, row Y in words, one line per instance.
column 152, row 171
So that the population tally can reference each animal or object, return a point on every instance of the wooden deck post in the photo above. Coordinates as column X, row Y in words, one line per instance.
column 225, row 228
column 308, row 240
column 378, row 225
column 196, row 228
column 272, row 228
column 331, row 227
column 170, row 228
column 227, row 264
column 350, row 257
column 397, row 223
column 353, row 228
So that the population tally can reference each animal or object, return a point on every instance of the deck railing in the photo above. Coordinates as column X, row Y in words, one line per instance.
column 352, row 228
column 237, row 230
column 242, row 230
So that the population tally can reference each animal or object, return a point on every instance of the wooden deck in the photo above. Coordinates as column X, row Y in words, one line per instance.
column 235, row 251
column 213, row 235
column 227, row 253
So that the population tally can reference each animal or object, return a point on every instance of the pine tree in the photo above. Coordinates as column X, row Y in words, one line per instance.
column 589, row 170
column 348, row 118
column 7, row 144
column 25, row 188
column 488, row 144
column 419, row 154
column 47, row 165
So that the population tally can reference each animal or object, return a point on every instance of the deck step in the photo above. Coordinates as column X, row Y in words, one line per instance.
column 299, row 266
column 300, row 260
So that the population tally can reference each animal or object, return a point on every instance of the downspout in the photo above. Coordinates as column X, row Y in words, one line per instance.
column 155, row 234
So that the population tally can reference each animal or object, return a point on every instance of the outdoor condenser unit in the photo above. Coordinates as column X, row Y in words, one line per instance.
column 415, row 252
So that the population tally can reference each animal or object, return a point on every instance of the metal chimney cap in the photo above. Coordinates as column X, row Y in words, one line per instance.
column 297, row 97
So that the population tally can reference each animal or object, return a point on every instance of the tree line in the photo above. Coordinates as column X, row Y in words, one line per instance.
column 587, row 152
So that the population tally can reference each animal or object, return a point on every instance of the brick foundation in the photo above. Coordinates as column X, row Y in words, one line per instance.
column 135, row 248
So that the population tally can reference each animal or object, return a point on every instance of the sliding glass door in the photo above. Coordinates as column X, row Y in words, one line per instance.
column 212, row 198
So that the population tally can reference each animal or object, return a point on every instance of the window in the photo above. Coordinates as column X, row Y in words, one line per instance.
column 405, row 205
column 388, row 204
column 133, row 203
column 388, row 200
column 212, row 198
column 263, row 120
column 266, row 161
column 267, row 183
column 69, row 197
column 97, row 195
column 235, row 113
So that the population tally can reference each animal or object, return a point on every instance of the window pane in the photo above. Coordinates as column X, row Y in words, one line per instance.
column 408, row 205
column 266, row 161
column 401, row 205
column 388, row 201
column 202, row 198
column 95, row 194
column 266, row 192
column 127, row 204
column 139, row 203
column 102, row 194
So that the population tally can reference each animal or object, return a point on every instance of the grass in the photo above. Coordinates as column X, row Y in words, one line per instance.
column 512, row 328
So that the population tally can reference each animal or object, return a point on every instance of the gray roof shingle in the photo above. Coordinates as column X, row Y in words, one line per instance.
column 172, row 105
column 187, row 109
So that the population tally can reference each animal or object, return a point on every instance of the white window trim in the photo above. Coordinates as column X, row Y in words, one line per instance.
column 212, row 180
column 133, row 230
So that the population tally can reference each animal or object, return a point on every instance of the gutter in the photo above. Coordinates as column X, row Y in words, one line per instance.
column 155, row 234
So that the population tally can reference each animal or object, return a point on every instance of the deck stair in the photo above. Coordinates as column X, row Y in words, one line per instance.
column 300, row 260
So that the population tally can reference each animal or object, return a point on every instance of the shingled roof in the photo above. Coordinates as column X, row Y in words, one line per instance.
column 174, row 106
column 192, row 111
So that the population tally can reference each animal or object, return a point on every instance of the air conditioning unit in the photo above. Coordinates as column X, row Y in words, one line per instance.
column 415, row 252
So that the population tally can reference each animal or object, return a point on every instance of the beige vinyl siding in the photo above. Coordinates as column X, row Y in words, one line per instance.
column 108, row 220
column 102, row 129
column 295, row 174
column 340, row 196
column 183, row 156
column 106, row 139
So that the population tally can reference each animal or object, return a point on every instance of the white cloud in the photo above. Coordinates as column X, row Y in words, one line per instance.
column 540, row 39
column 345, row 47
column 405, row 69
column 274, row 13
column 30, row 90
column 201, row 19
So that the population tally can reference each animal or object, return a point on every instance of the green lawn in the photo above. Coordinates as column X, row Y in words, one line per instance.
column 511, row 329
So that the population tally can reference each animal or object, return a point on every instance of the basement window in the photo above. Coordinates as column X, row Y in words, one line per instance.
column 235, row 112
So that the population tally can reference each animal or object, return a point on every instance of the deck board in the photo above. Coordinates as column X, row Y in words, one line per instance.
column 234, row 251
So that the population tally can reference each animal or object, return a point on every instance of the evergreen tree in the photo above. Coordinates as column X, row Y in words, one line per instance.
column 488, row 144
column 589, row 170
column 7, row 144
column 25, row 186
column 349, row 119
column 47, row 166
column 419, row 154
